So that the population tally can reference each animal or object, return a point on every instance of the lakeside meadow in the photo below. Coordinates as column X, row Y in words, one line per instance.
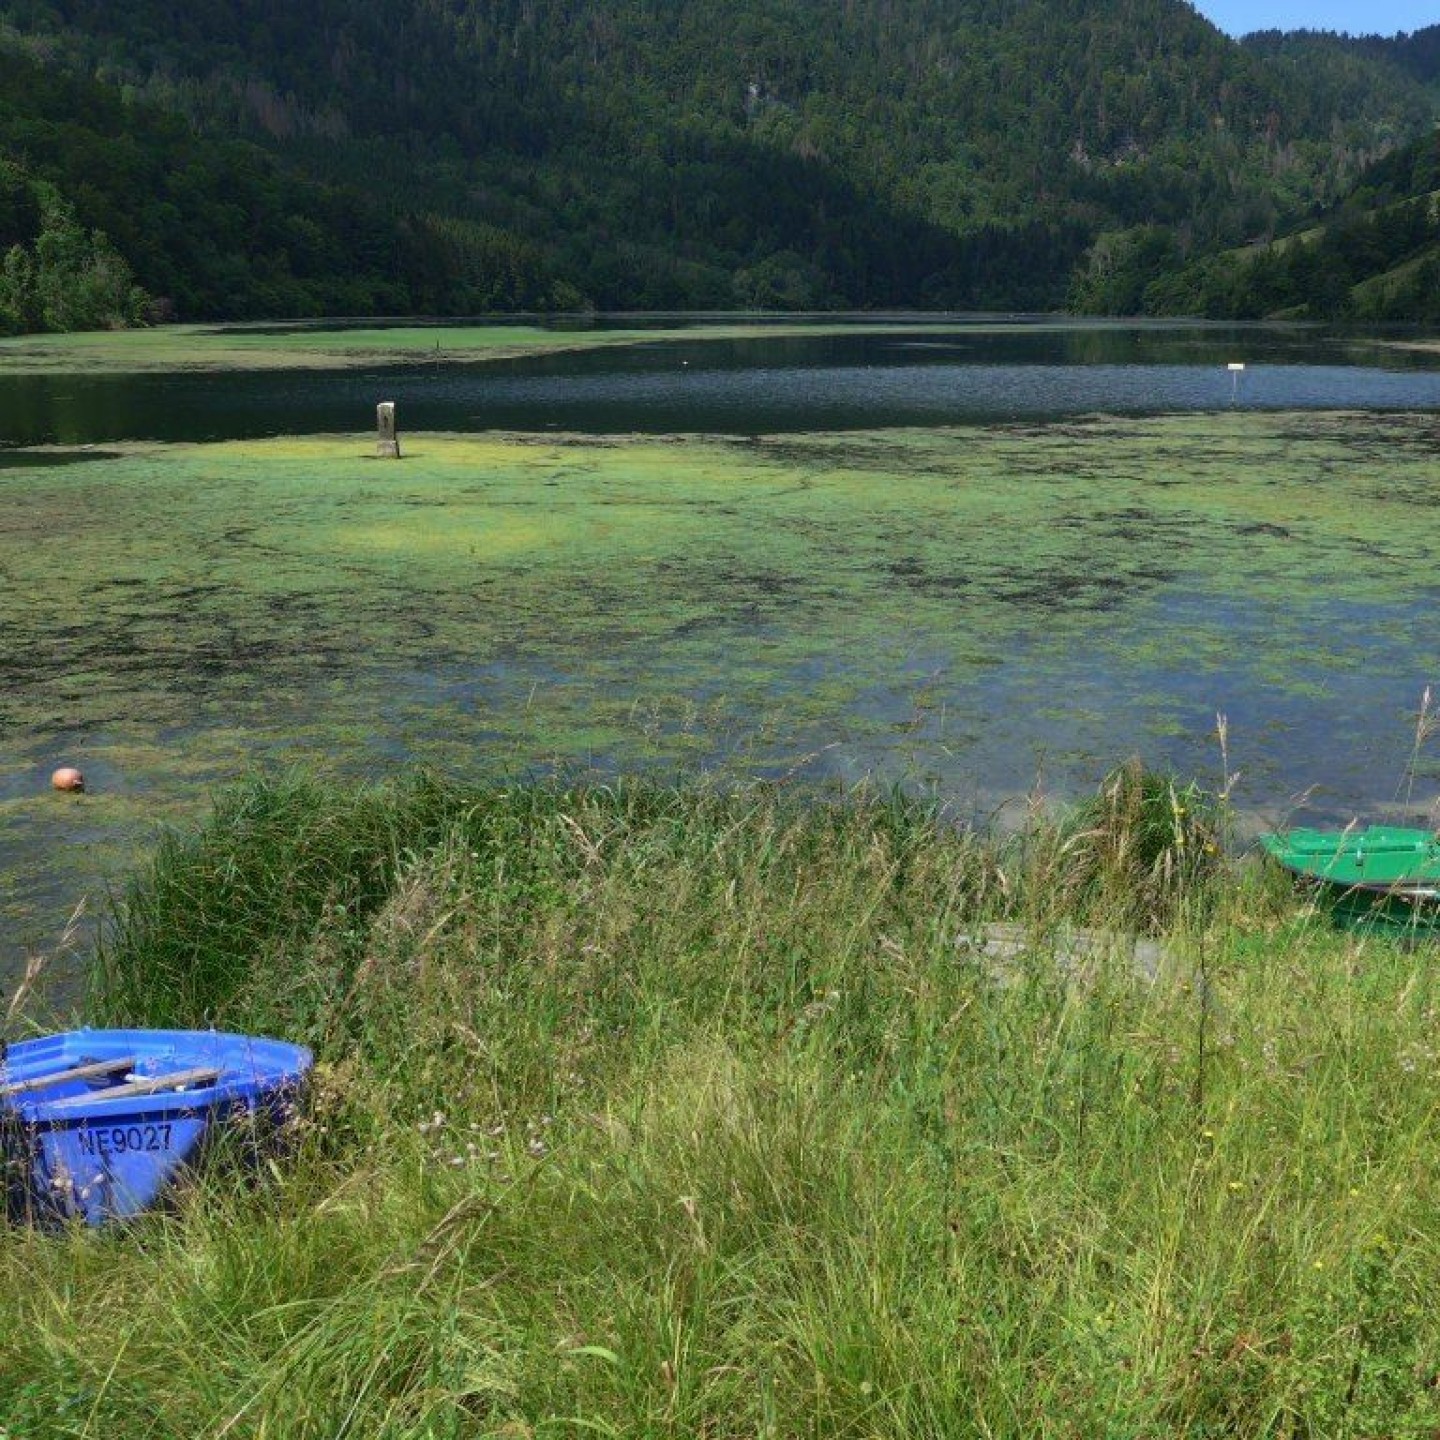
column 656, row 1111
column 753, row 993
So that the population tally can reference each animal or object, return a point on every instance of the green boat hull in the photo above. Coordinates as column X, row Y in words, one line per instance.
column 1383, row 878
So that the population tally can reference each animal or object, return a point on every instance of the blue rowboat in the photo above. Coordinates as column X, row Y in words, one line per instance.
column 97, row 1124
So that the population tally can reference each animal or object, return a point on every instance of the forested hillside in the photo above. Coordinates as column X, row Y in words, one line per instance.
column 291, row 157
column 1375, row 256
column 1353, row 60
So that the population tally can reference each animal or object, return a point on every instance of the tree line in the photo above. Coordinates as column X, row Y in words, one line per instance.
column 473, row 156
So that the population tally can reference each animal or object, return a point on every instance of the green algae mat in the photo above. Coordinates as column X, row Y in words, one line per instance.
column 976, row 611
column 238, row 347
column 171, row 348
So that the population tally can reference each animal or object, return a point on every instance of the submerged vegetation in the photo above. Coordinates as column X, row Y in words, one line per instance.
column 833, row 606
column 656, row 1111
column 299, row 347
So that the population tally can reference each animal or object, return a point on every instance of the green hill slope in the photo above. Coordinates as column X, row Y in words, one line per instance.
column 1375, row 256
column 280, row 157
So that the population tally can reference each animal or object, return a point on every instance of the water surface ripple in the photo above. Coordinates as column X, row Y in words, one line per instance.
column 744, row 387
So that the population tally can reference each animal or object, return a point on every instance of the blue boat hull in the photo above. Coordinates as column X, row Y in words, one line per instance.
column 99, row 1124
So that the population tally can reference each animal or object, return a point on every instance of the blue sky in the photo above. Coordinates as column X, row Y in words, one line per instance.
column 1382, row 17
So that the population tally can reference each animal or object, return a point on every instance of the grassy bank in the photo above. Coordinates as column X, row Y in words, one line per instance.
column 652, row 1111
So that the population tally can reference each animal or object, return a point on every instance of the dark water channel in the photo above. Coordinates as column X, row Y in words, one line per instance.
column 751, row 386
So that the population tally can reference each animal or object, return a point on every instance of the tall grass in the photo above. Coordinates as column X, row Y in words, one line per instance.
column 647, row 1111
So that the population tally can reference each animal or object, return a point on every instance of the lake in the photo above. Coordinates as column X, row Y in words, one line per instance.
column 750, row 386
column 976, row 560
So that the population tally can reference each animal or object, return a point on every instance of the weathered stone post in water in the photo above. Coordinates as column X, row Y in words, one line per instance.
column 387, row 442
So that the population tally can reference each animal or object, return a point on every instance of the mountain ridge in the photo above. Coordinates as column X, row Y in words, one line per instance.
column 453, row 155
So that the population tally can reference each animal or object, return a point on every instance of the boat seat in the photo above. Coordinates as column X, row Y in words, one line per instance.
column 139, row 1085
column 87, row 1070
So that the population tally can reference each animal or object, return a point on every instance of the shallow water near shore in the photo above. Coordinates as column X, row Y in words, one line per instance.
column 974, row 612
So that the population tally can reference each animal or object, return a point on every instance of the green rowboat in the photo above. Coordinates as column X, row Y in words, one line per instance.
column 1385, row 877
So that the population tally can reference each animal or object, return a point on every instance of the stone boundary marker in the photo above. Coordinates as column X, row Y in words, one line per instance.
column 387, row 441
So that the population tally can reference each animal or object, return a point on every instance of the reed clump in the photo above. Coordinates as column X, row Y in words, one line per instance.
column 662, row 1111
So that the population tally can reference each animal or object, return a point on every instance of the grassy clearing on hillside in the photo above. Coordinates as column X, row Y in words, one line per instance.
column 656, row 1112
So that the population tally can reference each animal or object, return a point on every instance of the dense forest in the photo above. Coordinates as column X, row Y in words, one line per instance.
column 202, row 159
column 1374, row 256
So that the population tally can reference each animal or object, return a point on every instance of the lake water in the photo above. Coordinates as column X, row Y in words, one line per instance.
column 907, row 627
column 752, row 386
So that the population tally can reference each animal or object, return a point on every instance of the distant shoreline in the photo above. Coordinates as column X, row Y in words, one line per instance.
column 344, row 345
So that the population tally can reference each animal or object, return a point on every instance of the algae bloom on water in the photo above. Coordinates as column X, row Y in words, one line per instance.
column 827, row 606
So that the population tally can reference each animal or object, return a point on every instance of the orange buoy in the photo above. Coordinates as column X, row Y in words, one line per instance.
column 67, row 777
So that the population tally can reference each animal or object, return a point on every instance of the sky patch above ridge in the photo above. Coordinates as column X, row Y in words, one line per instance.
column 1385, row 17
